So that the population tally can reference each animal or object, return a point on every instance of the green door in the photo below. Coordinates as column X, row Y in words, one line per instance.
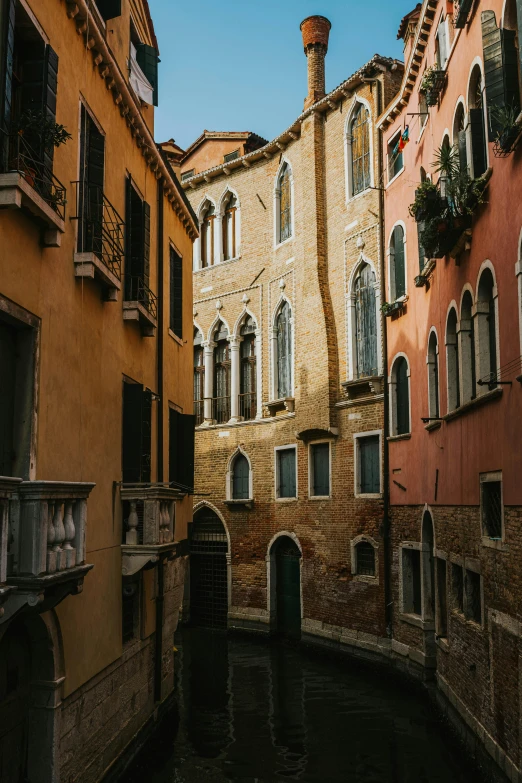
column 288, row 588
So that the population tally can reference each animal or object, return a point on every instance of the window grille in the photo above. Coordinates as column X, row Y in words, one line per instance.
column 366, row 323
column 457, row 587
column 286, row 473
column 285, row 205
column 369, row 465
column 365, row 559
column 240, row 478
column 284, row 351
column 491, row 497
column 411, row 581
column 320, row 455
column 473, row 606
column 360, row 132
column 208, row 570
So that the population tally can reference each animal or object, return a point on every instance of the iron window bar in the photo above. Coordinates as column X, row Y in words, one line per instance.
column 18, row 156
column 199, row 411
column 102, row 228
column 248, row 405
column 221, row 409
column 137, row 291
column 493, row 379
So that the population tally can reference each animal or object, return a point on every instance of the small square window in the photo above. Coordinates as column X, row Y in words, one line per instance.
column 231, row 156
column 286, row 484
column 395, row 157
column 457, row 588
column 364, row 559
column 187, row 174
column 368, row 465
column 473, row 605
column 411, row 581
column 491, row 508
column 320, row 470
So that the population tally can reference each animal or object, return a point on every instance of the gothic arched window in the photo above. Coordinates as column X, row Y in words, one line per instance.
column 360, row 147
column 207, row 235
column 240, row 478
column 247, row 373
column 397, row 264
column 199, row 377
column 365, row 323
column 284, row 351
column 230, row 228
column 221, row 402
column 285, row 204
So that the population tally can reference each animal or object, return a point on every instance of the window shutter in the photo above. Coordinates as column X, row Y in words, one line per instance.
column 129, row 222
column 366, row 323
column 287, row 484
column 146, row 243
column 132, row 433
column 321, row 468
column 109, row 9
column 174, row 445
column 176, row 293
column 369, row 465
column 146, row 436
column 188, row 425
column 500, row 68
column 50, row 87
column 463, row 152
column 181, row 448
column 422, row 253
column 478, row 141
column 147, row 58
column 402, row 398
column 6, row 93
column 399, row 272
column 240, row 481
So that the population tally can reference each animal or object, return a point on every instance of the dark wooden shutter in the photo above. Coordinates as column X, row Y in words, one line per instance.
column 174, row 445
column 181, row 448
column 146, row 243
column 287, row 483
column 131, row 436
column 370, row 479
column 500, row 69
column 321, row 469
column 422, row 253
column 478, row 141
column 147, row 58
column 109, row 9
column 402, row 397
column 146, row 436
column 50, row 87
column 7, row 33
column 128, row 237
column 188, row 424
column 176, row 293
column 398, row 261
column 92, row 163
column 240, row 479
column 463, row 151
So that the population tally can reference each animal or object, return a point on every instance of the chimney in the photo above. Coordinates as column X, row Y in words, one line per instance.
column 315, row 30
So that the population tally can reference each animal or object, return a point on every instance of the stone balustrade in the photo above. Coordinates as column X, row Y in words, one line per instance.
column 8, row 486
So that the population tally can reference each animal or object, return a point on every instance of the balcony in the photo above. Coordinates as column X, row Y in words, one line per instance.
column 199, row 411
column 47, row 524
column 101, row 247
column 140, row 305
column 27, row 184
column 247, row 406
column 7, row 487
column 221, row 410
column 149, row 524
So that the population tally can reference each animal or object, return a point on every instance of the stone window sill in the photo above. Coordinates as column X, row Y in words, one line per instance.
column 176, row 338
column 442, row 643
column 134, row 311
column 235, row 503
column 286, row 500
column 406, row 436
column 494, row 543
column 16, row 193
column 89, row 265
column 417, row 621
column 369, row 580
column 433, row 425
column 483, row 399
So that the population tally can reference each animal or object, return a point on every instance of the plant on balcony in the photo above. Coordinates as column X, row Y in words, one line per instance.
column 389, row 308
column 51, row 134
column 427, row 202
column 432, row 84
column 508, row 125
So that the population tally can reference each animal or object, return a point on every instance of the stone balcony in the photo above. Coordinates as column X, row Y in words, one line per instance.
column 46, row 530
column 8, row 487
column 149, row 523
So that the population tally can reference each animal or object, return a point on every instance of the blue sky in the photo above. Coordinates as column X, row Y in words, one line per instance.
column 241, row 66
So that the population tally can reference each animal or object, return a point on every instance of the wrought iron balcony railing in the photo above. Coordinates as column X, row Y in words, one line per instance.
column 221, row 409
column 101, row 229
column 137, row 291
column 17, row 156
column 247, row 404
column 199, row 411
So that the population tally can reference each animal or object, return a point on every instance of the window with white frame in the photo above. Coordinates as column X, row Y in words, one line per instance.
column 284, row 205
column 491, row 506
column 400, row 397
column 230, row 228
column 366, row 340
column 486, row 331
column 283, row 352
column 368, row 463
column 199, row 377
column 452, row 361
column 319, row 469
column 411, row 581
column 477, row 126
column 360, row 158
column 466, row 334
column 432, row 361
column 286, row 472
column 395, row 157
column 364, row 553
column 397, row 264
column 240, row 477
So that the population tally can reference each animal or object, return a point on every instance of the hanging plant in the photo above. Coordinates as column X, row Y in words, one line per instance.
column 428, row 202
column 505, row 120
column 50, row 133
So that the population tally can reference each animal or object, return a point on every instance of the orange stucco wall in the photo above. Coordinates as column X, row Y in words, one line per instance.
column 211, row 153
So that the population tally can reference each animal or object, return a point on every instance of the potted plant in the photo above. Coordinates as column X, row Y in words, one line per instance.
column 507, row 122
column 432, row 84
column 427, row 201
column 50, row 133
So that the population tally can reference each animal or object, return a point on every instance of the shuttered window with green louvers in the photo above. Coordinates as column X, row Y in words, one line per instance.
column 501, row 69
column 148, row 59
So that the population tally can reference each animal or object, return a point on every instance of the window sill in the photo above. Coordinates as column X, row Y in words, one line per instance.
column 319, row 497
column 494, row 543
column 16, row 193
column 366, row 579
column 281, row 244
column 286, row 500
column 494, row 394
column 369, row 495
column 240, row 503
column 433, row 425
column 442, row 643
column 134, row 311
column 279, row 405
column 394, row 178
column 406, row 436
column 89, row 265
column 417, row 621
column 351, row 199
column 175, row 337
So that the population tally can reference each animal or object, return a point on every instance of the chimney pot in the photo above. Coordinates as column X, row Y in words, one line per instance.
column 315, row 31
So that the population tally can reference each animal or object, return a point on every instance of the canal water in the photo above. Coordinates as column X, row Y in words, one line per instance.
column 253, row 711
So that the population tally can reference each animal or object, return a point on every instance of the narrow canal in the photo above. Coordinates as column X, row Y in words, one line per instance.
column 251, row 711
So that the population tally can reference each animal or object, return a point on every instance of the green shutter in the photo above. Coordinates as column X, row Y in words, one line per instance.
column 176, row 293
column 370, row 479
column 478, row 141
column 109, row 9
column 398, row 262
column 321, row 469
column 287, row 483
column 500, row 69
column 402, row 397
column 147, row 58
column 463, row 152
column 240, row 481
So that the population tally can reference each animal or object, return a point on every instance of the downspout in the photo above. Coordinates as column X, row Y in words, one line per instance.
column 388, row 601
column 159, row 441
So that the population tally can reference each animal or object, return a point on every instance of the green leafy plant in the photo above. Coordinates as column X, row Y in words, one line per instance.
column 50, row 133
column 446, row 161
column 428, row 80
column 505, row 121
column 427, row 201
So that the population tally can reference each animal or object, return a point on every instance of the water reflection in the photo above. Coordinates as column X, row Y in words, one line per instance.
column 256, row 712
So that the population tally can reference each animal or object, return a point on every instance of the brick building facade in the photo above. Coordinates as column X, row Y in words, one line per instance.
column 297, row 273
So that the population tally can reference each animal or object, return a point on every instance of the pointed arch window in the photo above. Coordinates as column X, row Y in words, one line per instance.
column 360, row 150
column 199, row 377
column 397, row 264
column 207, row 235
column 400, row 397
column 467, row 349
column 486, row 331
column 229, row 228
column 285, row 204
column 433, row 376
column 221, row 401
column 477, row 129
column 248, row 370
column 284, row 351
column 240, row 478
column 452, row 361
column 365, row 323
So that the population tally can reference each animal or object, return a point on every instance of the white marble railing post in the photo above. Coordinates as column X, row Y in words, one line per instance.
column 70, row 532
column 131, row 536
column 234, row 343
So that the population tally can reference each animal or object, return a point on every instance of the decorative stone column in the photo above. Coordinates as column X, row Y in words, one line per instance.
column 234, row 343
column 208, row 356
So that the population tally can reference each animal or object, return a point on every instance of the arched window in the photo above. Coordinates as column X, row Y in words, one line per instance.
column 240, row 477
column 360, row 150
column 477, row 130
column 284, row 192
column 486, row 331
column 467, row 349
column 230, row 228
column 283, row 368
column 452, row 361
column 208, row 215
column 365, row 323
column 400, row 397
column 459, row 137
column 248, row 371
column 221, row 395
column 199, row 377
column 433, row 377
column 397, row 264
column 364, row 559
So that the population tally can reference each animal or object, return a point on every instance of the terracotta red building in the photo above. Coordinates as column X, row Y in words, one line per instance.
column 453, row 220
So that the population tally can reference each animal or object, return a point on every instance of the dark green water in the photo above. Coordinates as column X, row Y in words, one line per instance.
column 255, row 712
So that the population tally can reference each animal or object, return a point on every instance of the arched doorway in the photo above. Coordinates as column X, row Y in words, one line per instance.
column 286, row 592
column 208, row 570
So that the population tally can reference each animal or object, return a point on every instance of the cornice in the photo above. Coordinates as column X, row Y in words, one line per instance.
column 87, row 25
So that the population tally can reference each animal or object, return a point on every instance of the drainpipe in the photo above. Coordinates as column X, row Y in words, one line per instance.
column 388, row 615
column 159, row 439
